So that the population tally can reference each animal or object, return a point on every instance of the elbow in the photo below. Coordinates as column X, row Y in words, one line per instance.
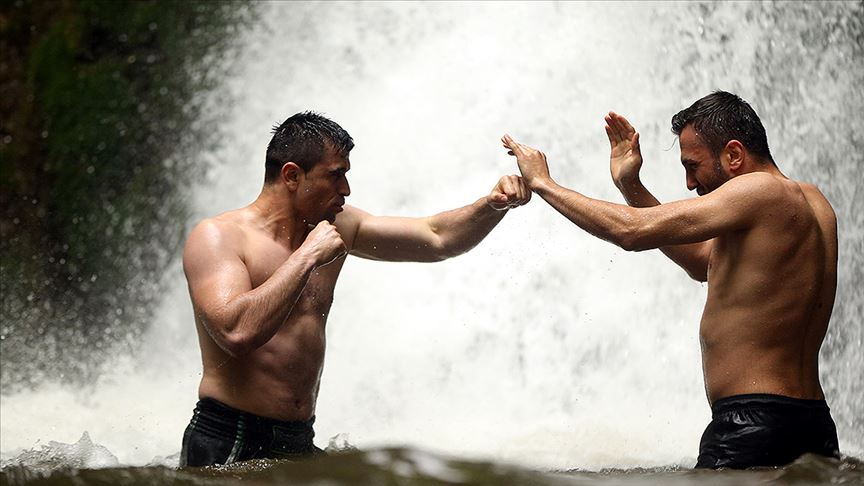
column 236, row 344
column 448, row 253
column 630, row 240
column 230, row 338
column 633, row 235
column 441, row 255
column 626, row 243
column 698, row 276
column 443, row 250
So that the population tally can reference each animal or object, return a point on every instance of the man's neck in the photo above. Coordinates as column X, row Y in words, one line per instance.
column 766, row 167
column 273, row 212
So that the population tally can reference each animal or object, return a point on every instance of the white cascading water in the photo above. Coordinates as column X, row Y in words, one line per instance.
column 542, row 346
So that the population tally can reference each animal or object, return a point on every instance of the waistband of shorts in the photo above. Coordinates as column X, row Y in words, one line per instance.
column 211, row 406
column 752, row 400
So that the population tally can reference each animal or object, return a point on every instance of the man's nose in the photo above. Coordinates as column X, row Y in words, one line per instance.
column 692, row 183
column 345, row 189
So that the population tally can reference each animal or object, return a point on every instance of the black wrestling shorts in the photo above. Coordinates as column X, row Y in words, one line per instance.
column 766, row 430
column 219, row 434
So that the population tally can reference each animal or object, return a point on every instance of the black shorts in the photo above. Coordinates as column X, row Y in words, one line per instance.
column 766, row 430
column 219, row 434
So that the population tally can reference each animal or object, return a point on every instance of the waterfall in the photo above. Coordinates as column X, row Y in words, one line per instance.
column 543, row 345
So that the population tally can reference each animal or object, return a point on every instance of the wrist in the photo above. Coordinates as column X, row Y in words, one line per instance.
column 626, row 184
column 306, row 258
column 493, row 205
column 540, row 184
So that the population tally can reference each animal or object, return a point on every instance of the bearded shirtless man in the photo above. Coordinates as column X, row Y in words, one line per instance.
column 261, row 279
column 766, row 245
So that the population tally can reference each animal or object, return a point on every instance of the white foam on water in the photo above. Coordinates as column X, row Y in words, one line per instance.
column 542, row 346
column 82, row 454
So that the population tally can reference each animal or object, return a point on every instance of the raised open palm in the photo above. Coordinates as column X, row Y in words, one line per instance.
column 625, row 158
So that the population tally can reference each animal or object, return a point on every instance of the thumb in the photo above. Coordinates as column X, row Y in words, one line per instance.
column 635, row 142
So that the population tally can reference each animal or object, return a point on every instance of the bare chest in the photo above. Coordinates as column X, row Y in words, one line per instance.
column 263, row 258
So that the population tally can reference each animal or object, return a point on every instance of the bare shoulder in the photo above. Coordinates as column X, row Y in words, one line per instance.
column 214, row 236
column 759, row 182
column 755, row 189
column 820, row 204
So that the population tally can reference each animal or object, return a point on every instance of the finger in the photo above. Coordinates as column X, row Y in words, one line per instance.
column 508, row 188
column 525, row 149
column 517, row 148
column 626, row 124
column 617, row 119
column 610, row 136
column 613, row 128
column 521, row 192
column 516, row 191
column 510, row 143
column 504, row 144
column 626, row 128
column 524, row 192
column 496, row 199
column 520, row 189
column 635, row 142
column 620, row 129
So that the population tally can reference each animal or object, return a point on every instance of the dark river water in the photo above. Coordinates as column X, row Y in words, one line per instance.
column 415, row 467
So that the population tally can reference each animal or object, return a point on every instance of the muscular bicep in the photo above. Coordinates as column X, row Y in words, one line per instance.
column 389, row 238
column 734, row 206
column 215, row 272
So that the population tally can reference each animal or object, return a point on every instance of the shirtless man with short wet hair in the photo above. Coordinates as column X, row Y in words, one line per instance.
column 766, row 245
column 261, row 279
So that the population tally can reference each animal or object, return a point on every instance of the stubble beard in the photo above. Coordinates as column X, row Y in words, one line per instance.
column 718, row 178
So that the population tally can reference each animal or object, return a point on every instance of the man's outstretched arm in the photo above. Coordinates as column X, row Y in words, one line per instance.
column 625, row 162
column 437, row 237
column 733, row 206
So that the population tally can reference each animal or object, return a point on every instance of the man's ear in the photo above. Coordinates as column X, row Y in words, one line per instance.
column 734, row 153
column 291, row 175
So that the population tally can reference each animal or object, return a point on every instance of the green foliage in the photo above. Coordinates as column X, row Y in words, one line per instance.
column 103, row 118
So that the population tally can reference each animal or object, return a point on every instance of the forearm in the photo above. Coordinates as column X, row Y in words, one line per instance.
column 691, row 257
column 614, row 223
column 636, row 194
column 257, row 315
column 460, row 230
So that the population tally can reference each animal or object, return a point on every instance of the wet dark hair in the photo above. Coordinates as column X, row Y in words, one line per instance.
column 721, row 117
column 301, row 139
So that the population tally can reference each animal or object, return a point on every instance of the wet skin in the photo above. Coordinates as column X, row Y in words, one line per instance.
column 766, row 245
column 262, row 282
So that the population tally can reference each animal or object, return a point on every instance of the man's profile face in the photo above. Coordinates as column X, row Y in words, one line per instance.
column 323, row 189
column 703, row 170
